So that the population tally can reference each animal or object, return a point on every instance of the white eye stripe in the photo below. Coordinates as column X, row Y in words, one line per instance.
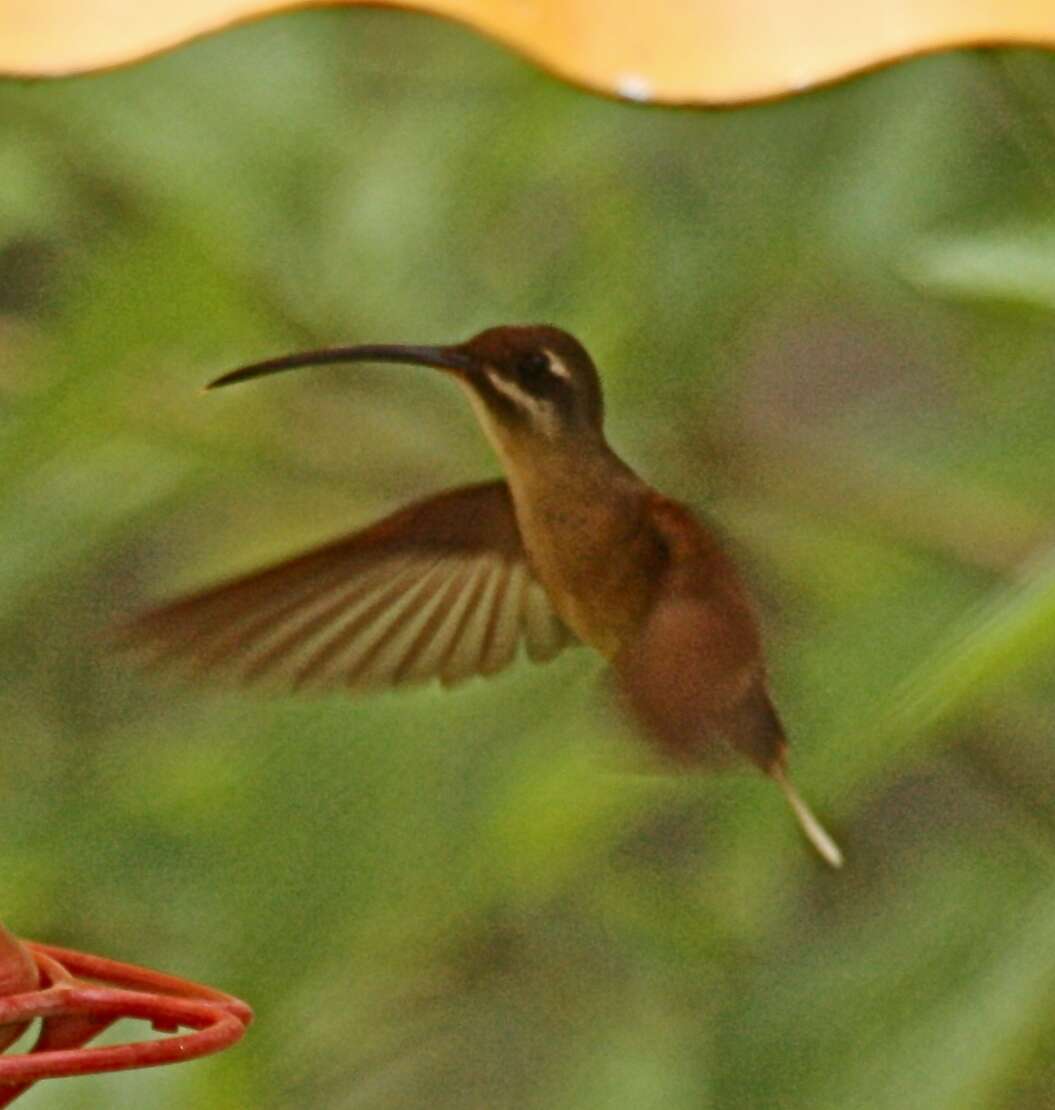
column 511, row 390
column 544, row 417
column 557, row 368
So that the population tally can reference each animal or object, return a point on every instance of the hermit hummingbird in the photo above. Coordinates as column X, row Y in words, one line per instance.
column 571, row 546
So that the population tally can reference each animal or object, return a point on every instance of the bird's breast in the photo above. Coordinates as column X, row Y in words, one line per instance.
column 596, row 558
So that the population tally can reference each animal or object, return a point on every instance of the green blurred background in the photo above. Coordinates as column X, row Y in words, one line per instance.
column 824, row 322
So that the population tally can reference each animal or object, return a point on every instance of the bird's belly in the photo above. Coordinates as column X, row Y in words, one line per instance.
column 598, row 618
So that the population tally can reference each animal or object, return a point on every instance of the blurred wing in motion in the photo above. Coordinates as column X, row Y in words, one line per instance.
column 695, row 678
column 441, row 589
column 694, row 675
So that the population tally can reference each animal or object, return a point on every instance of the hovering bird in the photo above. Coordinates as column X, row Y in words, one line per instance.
column 572, row 545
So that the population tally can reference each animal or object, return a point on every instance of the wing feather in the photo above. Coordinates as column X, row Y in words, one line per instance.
column 381, row 664
column 442, row 589
column 337, row 630
column 426, row 650
column 501, row 641
column 545, row 634
column 292, row 627
column 463, row 654
column 363, row 650
column 281, row 618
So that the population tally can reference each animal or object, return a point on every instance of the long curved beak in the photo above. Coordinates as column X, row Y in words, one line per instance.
column 453, row 360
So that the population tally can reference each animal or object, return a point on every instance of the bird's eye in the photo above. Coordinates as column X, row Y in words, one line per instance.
column 533, row 369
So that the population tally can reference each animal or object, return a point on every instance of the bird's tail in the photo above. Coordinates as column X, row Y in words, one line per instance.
column 815, row 832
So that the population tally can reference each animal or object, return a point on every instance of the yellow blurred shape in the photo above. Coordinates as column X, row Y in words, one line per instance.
column 667, row 51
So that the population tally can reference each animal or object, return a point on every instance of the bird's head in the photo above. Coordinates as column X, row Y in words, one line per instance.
column 534, row 380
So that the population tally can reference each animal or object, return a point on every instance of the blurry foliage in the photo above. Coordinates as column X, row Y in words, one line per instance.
column 815, row 323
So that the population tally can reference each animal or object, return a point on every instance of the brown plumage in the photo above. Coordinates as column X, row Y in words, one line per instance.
column 440, row 589
column 573, row 545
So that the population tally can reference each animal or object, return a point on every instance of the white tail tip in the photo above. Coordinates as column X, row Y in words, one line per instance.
column 815, row 832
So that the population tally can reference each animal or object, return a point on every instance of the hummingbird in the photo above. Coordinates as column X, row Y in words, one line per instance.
column 572, row 546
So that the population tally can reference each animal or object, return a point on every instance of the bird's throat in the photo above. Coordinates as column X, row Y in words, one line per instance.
column 582, row 524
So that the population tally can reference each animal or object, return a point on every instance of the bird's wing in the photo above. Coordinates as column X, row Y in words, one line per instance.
column 441, row 589
column 694, row 673
column 694, row 676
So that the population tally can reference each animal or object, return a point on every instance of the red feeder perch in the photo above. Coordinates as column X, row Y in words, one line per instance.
column 77, row 996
